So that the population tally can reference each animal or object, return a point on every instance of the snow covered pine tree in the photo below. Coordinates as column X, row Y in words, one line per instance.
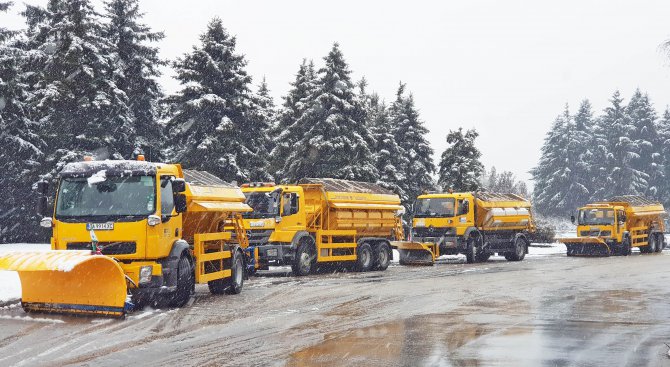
column 213, row 123
column 22, row 147
column 460, row 168
column 336, row 142
column 137, row 73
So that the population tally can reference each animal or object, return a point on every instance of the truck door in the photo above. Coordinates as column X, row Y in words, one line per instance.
column 169, row 229
column 292, row 216
column 464, row 213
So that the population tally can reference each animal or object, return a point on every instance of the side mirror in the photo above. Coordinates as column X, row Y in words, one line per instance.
column 622, row 218
column 41, row 206
column 178, row 185
column 572, row 219
column 180, row 203
column 294, row 203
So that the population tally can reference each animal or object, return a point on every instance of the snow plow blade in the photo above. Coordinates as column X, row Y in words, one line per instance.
column 585, row 246
column 414, row 253
column 71, row 282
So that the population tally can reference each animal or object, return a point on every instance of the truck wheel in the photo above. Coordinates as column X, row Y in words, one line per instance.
column 519, row 250
column 483, row 256
column 651, row 245
column 236, row 280
column 185, row 283
column 472, row 250
column 382, row 256
column 304, row 258
column 660, row 242
column 365, row 257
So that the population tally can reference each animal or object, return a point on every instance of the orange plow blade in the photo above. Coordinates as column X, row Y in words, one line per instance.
column 585, row 246
column 74, row 282
column 414, row 253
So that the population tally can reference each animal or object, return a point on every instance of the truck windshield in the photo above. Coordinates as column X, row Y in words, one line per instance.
column 596, row 217
column 264, row 204
column 434, row 207
column 100, row 196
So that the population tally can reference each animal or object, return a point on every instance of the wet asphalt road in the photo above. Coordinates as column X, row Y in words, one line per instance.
column 548, row 310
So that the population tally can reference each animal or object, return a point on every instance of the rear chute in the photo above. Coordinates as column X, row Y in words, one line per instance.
column 66, row 281
column 415, row 253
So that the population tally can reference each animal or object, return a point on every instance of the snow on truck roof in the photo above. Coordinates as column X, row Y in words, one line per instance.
column 338, row 185
column 203, row 178
column 87, row 168
column 634, row 200
column 493, row 196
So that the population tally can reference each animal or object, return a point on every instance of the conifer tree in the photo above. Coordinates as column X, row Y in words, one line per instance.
column 623, row 177
column 286, row 133
column 555, row 185
column 336, row 140
column 76, row 100
column 138, row 72
column 460, row 167
column 22, row 147
column 646, row 138
column 410, row 134
column 388, row 157
column 213, row 119
column 664, row 150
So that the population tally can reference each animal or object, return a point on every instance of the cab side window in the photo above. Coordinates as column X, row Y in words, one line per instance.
column 167, row 198
column 289, row 204
column 463, row 207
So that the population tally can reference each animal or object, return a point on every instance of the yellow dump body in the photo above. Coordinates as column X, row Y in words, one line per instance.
column 127, row 244
column 329, row 206
column 495, row 212
column 615, row 226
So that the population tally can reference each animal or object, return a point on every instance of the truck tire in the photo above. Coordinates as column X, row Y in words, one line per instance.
column 651, row 245
column 234, row 284
column 472, row 251
column 364, row 257
column 660, row 242
column 519, row 252
column 185, row 283
column 382, row 256
column 304, row 257
column 483, row 256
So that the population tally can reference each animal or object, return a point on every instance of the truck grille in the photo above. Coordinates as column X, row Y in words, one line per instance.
column 259, row 236
column 433, row 231
column 595, row 233
column 108, row 248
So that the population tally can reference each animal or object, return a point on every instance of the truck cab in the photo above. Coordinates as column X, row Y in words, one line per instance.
column 442, row 219
column 278, row 214
column 601, row 220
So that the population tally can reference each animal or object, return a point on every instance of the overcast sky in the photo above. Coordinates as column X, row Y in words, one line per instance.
column 505, row 68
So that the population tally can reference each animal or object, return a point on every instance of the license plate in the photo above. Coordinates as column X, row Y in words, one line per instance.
column 100, row 226
column 272, row 252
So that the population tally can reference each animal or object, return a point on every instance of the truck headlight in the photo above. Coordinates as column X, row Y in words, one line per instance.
column 145, row 274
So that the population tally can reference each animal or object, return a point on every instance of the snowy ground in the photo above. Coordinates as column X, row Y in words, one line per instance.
column 10, row 287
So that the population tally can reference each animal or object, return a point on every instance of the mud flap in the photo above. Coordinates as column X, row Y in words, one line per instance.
column 414, row 253
column 73, row 282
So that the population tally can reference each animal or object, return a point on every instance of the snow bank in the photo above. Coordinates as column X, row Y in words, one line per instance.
column 10, row 286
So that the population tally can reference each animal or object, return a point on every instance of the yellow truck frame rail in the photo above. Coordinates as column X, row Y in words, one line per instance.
column 106, row 263
column 616, row 226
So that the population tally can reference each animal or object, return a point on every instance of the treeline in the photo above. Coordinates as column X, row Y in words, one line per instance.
column 623, row 151
column 75, row 82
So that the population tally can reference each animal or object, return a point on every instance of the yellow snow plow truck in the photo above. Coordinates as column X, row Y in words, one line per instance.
column 126, row 233
column 616, row 226
column 321, row 221
column 477, row 224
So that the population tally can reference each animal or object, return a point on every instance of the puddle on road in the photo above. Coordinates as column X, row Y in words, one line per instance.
column 504, row 333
